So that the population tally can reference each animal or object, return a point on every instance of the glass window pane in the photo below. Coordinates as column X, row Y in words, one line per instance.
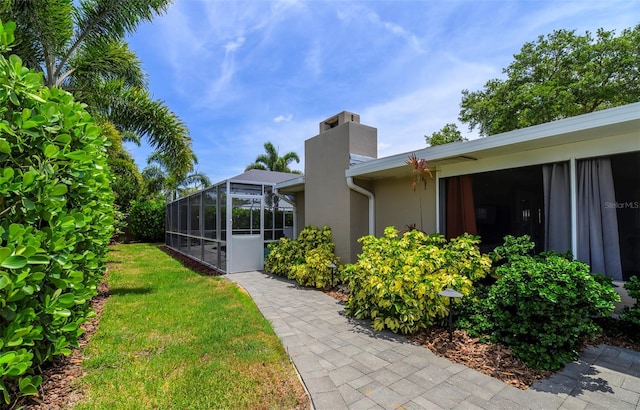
column 222, row 219
column 223, row 256
column 268, row 218
column 194, row 215
column 174, row 217
column 211, row 253
column 246, row 189
column 246, row 216
column 183, row 244
column 183, row 215
column 210, row 213
column 279, row 218
column 195, row 248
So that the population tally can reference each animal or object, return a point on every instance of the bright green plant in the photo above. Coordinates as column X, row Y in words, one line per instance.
column 282, row 256
column 147, row 220
column 304, row 259
column 397, row 279
column 632, row 314
column 56, row 219
column 315, row 270
column 542, row 306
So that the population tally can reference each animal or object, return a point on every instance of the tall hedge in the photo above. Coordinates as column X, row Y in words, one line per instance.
column 147, row 220
column 56, row 219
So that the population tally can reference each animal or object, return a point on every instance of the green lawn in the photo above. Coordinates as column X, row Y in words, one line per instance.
column 172, row 339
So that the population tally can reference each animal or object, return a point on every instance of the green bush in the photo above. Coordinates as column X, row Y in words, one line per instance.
column 56, row 221
column 283, row 255
column 147, row 220
column 631, row 315
column 304, row 259
column 315, row 271
column 542, row 306
column 397, row 279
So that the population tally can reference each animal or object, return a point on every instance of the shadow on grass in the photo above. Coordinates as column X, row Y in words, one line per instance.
column 131, row 291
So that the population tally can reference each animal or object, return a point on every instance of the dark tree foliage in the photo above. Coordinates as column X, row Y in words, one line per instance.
column 448, row 133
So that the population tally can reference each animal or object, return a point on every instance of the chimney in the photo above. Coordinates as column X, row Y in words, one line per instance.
column 339, row 119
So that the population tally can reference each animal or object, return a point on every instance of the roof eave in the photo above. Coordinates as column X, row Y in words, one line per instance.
column 626, row 113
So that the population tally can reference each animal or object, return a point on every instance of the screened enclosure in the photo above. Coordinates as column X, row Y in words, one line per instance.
column 229, row 225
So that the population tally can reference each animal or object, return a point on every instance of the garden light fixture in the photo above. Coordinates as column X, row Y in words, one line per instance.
column 450, row 293
column 333, row 267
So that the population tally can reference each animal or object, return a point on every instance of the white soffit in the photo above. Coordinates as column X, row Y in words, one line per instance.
column 600, row 124
column 292, row 185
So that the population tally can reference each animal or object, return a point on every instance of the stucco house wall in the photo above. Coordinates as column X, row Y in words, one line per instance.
column 398, row 205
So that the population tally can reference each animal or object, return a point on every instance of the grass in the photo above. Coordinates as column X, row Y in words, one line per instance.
column 171, row 339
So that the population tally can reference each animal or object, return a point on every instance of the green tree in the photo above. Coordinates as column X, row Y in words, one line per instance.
column 272, row 161
column 127, row 184
column 448, row 133
column 80, row 47
column 558, row 76
column 160, row 181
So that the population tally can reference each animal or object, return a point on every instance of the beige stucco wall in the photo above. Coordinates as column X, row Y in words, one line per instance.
column 299, row 213
column 328, row 199
column 398, row 205
column 359, row 218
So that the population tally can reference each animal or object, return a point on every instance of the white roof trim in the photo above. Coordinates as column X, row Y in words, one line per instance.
column 290, row 183
column 596, row 119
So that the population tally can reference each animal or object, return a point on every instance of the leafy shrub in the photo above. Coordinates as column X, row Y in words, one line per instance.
column 304, row 259
column 513, row 248
column 542, row 306
column 57, row 218
column 631, row 315
column 283, row 255
column 397, row 279
column 315, row 271
column 147, row 220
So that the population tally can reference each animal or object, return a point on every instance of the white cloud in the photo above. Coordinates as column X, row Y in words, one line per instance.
column 281, row 118
column 397, row 30
column 313, row 59
column 353, row 15
column 234, row 45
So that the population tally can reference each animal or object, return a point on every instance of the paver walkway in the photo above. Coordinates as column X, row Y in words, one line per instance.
column 346, row 365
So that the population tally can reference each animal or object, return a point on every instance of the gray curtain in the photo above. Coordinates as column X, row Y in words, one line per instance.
column 557, row 207
column 598, row 244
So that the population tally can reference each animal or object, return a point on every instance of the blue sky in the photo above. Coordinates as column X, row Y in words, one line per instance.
column 240, row 73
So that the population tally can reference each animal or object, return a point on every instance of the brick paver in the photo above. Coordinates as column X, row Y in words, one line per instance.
column 344, row 364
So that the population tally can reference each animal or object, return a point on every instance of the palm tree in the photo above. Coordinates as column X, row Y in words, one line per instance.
column 79, row 46
column 158, row 180
column 127, row 183
column 271, row 161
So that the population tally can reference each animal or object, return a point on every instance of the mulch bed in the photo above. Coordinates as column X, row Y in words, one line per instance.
column 58, row 392
column 190, row 263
